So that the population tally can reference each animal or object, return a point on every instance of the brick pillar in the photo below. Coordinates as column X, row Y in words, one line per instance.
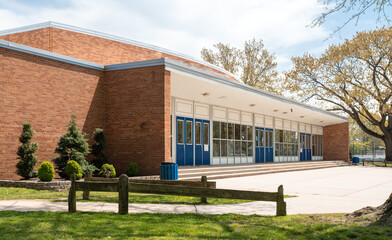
column 336, row 142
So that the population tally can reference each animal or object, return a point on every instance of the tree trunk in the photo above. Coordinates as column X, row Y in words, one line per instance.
column 388, row 146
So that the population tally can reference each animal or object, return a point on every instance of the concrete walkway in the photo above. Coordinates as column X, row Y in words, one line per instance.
column 332, row 190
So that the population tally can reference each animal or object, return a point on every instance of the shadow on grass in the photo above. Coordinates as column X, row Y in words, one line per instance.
column 50, row 225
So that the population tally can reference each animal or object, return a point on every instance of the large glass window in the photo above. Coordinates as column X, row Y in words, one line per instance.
column 286, row 143
column 232, row 139
column 317, row 145
column 230, row 130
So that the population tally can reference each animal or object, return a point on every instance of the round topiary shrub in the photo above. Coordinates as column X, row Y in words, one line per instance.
column 73, row 168
column 132, row 170
column 107, row 170
column 46, row 172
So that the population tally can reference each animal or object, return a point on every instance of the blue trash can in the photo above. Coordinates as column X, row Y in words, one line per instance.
column 169, row 171
column 355, row 160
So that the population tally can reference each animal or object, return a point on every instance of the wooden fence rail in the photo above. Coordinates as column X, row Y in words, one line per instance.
column 123, row 186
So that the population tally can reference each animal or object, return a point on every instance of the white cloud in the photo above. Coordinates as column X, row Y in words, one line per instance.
column 182, row 26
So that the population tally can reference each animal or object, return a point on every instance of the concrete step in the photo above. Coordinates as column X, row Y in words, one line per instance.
column 258, row 169
column 185, row 170
column 207, row 172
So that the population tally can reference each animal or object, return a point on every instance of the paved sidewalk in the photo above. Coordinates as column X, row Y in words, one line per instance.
column 332, row 190
column 260, row 208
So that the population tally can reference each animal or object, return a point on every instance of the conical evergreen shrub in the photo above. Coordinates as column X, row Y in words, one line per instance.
column 98, row 149
column 71, row 146
column 25, row 167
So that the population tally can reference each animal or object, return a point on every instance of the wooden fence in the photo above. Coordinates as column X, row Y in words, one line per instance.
column 202, row 183
column 123, row 186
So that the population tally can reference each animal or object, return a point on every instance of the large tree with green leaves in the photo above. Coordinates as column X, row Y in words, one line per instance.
column 71, row 146
column 353, row 77
column 254, row 64
column 27, row 159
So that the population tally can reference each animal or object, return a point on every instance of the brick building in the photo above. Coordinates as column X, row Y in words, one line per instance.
column 154, row 104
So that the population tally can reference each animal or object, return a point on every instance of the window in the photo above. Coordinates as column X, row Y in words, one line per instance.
column 232, row 140
column 286, row 143
column 188, row 132
column 262, row 144
column 317, row 145
column 180, row 131
column 230, row 130
column 205, row 136
column 198, row 133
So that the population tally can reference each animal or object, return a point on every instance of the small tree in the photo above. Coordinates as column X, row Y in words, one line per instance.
column 98, row 149
column 71, row 146
column 25, row 167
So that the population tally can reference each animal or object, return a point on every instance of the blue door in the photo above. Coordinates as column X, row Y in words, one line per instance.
column 206, row 142
column 305, row 147
column 198, row 142
column 202, row 142
column 308, row 147
column 184, row 141
column 302, row 148
column 260, row 145
column 188, row 141
column 180, row 145
column 269, row 144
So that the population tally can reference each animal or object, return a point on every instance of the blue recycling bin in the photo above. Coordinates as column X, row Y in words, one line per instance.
column 355, row 160
column 169, row 171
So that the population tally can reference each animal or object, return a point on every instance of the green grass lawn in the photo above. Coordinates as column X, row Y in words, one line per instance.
column 110, row 197
column 50, row 225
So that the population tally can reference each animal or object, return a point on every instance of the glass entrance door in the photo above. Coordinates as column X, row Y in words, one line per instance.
column 185, row 141
column 305, row 147
column 269, row 144
column 202, row 142
column 260, row 145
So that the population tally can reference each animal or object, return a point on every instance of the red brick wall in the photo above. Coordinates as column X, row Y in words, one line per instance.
column 40, row 38
column 93, row 49
column 44, row 92
column 138, row 118
column 336, row 142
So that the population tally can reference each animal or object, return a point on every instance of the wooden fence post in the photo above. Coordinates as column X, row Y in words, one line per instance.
column 204, row 181
column 72, row 195
column 280, row 204
column 123, row 194
column 86, row 193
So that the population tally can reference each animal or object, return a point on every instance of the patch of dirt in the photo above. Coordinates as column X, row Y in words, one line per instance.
column 381, row 215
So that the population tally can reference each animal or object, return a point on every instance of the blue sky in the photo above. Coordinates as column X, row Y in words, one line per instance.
column 188, row 26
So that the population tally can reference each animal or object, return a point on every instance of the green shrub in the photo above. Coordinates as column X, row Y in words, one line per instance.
column 46, row 172
column 132, row 170
column 74, row 168
column 107, row 170
column 71, row 146
column 25, row 167
column 98, row 149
